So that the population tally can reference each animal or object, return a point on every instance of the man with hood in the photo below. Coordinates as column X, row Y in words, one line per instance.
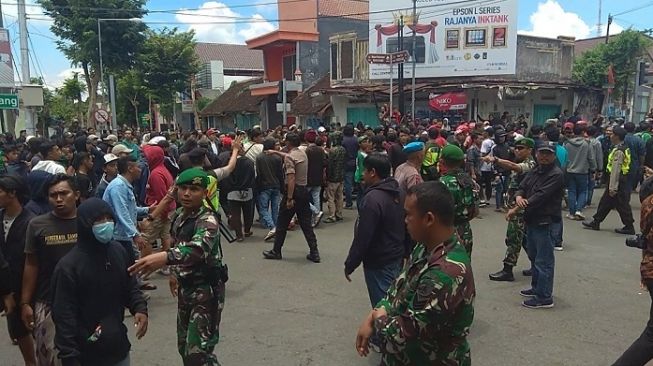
column 580, row 162
column 90, row 290
column 158, row 184
column 380, row 231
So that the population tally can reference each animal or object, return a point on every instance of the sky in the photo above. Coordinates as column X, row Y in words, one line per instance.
column 244, row 19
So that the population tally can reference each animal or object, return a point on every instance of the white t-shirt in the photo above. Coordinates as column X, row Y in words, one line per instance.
column 486, row 149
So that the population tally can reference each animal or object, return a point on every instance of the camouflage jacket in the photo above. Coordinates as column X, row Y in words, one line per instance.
column 430, row 309
column 646, row 225
column 516, row 178
column 461, row 187
column 197, row 253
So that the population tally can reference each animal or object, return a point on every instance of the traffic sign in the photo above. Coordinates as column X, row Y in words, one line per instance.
column 8, row 101
column 388, row 58
column 101, row 116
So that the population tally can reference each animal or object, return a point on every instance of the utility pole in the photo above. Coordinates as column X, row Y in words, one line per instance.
column 283, row 101
column 607, row 30
column 412, row 97
column 24, row 64
column 400, row 69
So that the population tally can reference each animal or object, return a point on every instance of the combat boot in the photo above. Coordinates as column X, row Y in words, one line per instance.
column 271, row 254
column 503, row 275
column 594, row 225
column 628, row 230
column 314, row 255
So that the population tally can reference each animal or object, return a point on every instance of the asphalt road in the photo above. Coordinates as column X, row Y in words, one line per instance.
column 295, row 312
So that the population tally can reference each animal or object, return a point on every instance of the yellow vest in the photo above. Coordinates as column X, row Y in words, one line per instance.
column 213, row 194
column 625, row 167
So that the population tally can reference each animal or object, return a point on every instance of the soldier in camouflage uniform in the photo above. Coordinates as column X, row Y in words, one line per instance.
column 198, row 268
column 516, row 231
column 425, row 317
column 461, row 186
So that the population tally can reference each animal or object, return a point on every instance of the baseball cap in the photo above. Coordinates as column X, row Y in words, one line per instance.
column 120, row 148
column 156, row 140
column 321, row 129
column 92, row 137
column 568, row 126
column 112, row 138
column 525, row 141
column 547, row 146
column 109, row 158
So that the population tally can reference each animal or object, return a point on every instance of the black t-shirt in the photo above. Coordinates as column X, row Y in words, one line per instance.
column 316, row 163
column 85, row 184
column 49, row 238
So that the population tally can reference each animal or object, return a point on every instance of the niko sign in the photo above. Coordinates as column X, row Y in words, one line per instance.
column 8, row 101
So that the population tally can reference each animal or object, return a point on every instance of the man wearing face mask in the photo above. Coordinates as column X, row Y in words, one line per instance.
column 91, row 287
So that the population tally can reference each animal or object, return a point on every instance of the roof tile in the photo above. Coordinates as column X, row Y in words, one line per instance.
column 341, row 8
column 234, row 56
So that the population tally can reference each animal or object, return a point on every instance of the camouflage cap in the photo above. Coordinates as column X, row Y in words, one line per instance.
column 193, row 176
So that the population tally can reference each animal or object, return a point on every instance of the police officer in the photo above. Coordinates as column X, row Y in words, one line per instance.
column 516, row 230
column 198, row 267
column 617, row 194
column 461, row 186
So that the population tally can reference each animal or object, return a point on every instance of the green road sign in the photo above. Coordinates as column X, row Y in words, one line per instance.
column 8, row 101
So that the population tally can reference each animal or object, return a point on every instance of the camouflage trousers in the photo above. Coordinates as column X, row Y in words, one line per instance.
column 515, row 239
column 199, row 311
column 465, row 236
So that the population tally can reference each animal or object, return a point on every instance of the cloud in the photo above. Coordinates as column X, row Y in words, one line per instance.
column 256, row 29
column 57, row 81
column 232, row 28
column 551, row 20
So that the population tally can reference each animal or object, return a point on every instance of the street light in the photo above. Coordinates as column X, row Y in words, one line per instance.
column 114, row 122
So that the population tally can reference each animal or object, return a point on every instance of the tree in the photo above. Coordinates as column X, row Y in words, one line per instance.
column 72, row 90
column 130, row 85
column 167, row 62
column 76, row 26
column 623, row 51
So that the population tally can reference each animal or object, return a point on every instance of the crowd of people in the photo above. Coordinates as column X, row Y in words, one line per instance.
column 88, row 217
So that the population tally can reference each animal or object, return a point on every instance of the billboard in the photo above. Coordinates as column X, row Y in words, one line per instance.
column 453, row 38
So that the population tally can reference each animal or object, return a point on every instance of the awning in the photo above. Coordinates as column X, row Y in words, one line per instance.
column 448, row 101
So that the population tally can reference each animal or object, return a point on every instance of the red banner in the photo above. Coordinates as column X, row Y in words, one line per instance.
column 448, row 101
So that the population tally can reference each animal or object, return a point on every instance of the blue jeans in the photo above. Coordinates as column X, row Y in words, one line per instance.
column 577, row 185
column 266, row 198
column 315, row 199
column 540, row 252
column 499, row 189
column 591, row 183
column 556, row 233
column 378, row 280
column 349, row 188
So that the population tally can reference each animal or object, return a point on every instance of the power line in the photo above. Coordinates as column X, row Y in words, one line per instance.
column 645, row 5
column 37, row 63
column 250, row 20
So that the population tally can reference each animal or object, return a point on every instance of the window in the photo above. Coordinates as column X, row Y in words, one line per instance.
column 342, row 58
column 347, row 60
column 334, row 61
column 289, row 67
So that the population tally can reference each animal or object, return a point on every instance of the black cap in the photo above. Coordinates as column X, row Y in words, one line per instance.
column 547, row 145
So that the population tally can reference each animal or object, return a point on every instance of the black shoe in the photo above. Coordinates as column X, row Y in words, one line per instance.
column 628, row 230
column 527, row 272
column 502, row 275
column 271, row 254
column 591, row 225
column 313, row 256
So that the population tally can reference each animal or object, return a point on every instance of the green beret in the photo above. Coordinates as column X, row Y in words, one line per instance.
column 525, row 141
column 453, row 153
column 193, row 176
